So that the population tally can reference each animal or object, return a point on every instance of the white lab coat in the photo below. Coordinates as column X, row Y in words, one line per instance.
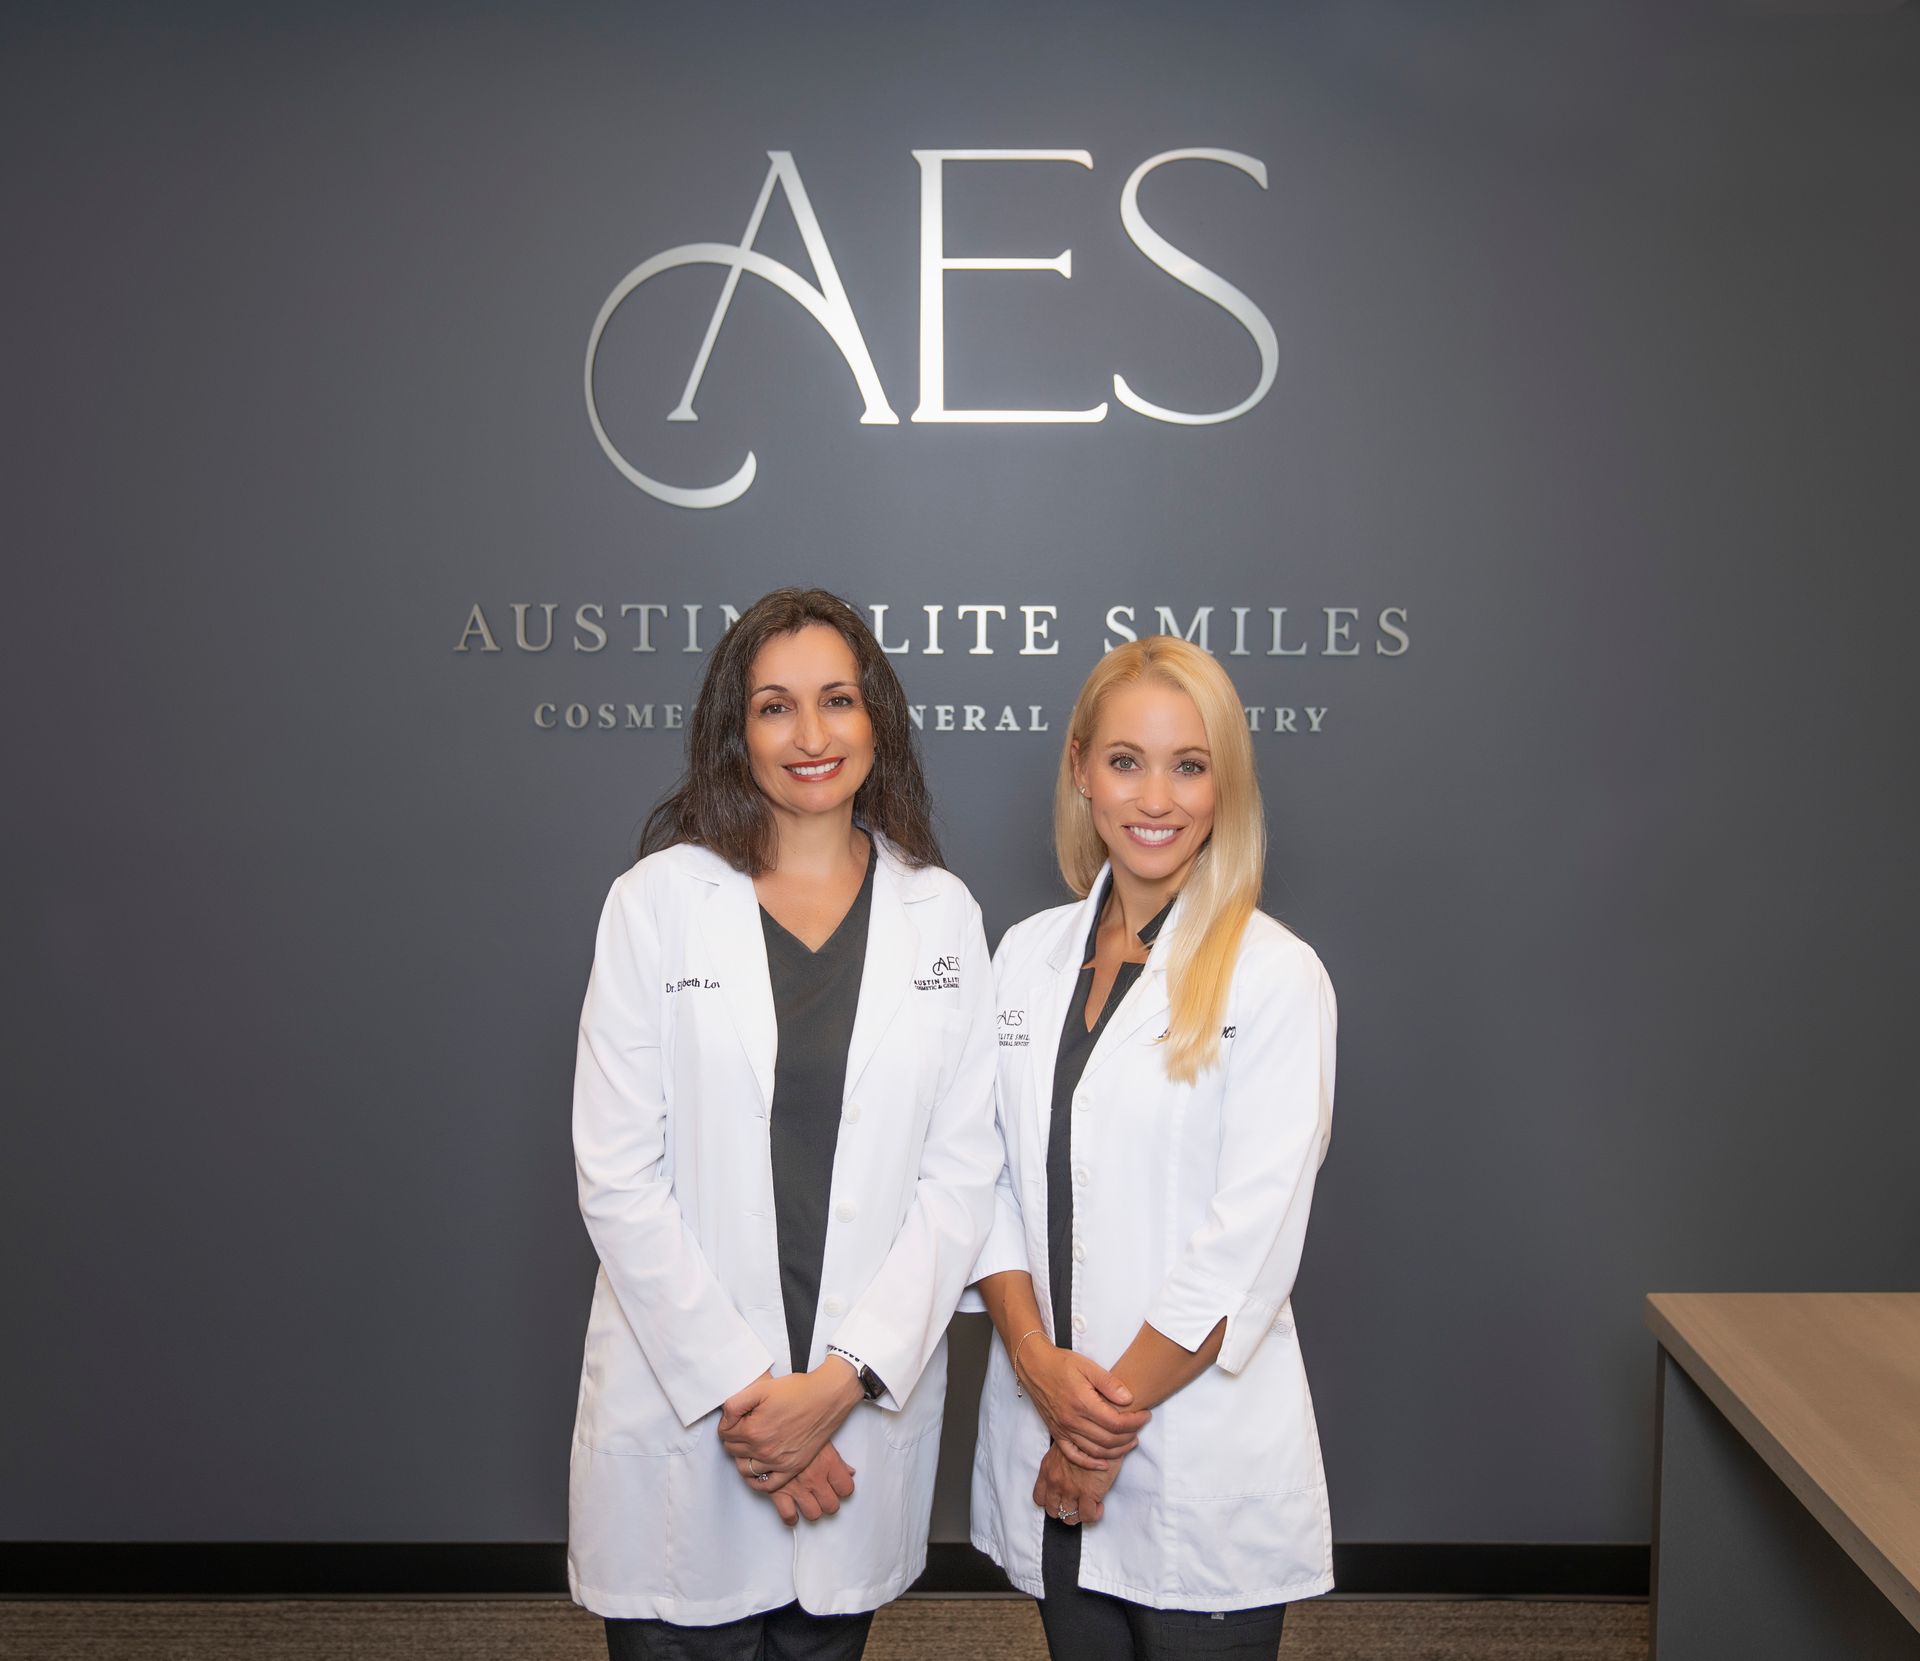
column 1189, row 1204
column 670, row 1124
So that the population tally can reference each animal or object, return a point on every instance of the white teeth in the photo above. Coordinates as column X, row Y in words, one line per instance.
column 1146, row 835
column 815, row 772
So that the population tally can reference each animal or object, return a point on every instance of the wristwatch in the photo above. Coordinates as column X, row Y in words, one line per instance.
column 870, row 1385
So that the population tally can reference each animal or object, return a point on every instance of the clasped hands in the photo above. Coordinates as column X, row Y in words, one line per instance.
column 779, row 1432
column 1094, row 1426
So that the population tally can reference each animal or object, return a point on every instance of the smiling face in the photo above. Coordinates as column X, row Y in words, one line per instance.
column 809, row 738
column 1147, row 775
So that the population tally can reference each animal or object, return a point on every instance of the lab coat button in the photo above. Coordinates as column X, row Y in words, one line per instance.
column 1079, row 1176
column 853, row 1113
column 1079, row 1326
column 1079, row 1252
column 834, row 1306
column 844, row 1212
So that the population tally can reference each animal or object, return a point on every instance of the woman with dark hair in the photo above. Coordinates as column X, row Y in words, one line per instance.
column 784, row 1133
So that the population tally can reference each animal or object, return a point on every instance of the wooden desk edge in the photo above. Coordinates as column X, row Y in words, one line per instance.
column 1901, row 1592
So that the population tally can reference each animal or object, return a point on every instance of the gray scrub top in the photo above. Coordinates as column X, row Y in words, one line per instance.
column 815, row 998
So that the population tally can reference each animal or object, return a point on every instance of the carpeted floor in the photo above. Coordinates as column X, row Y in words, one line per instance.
column 915, row 1629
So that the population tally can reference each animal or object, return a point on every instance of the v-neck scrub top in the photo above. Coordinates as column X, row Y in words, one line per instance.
column 1077, row 1043
column 815, row 998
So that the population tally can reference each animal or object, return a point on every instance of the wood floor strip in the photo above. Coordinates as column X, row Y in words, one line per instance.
column 914, row 1629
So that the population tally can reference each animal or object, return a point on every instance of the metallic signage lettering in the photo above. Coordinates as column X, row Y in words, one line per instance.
column 825, row 301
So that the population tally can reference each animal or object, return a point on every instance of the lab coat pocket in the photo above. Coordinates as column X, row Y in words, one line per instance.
column 625, row 1520
column 1251, row 1548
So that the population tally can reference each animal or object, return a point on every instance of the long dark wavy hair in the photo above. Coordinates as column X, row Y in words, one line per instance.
column 716, row 803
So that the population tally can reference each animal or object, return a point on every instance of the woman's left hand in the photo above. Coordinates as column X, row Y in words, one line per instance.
column 782, row 1423
column 1071, row 1492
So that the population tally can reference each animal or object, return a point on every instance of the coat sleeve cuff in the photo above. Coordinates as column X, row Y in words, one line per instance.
column 1189, row 1308
column 890, row 1360
column 1005, row 1250
column 698, row 1391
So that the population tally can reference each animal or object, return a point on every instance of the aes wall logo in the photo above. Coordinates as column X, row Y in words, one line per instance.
column 824, row 301
column 605, row 661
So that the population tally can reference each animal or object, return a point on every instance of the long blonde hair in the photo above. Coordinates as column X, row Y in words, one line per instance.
column 1223, row 887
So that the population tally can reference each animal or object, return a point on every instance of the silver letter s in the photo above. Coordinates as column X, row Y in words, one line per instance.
column 1184, row 269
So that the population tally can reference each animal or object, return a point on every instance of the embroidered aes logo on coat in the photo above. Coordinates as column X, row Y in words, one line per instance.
column 1013, row 1029
column 943, row 977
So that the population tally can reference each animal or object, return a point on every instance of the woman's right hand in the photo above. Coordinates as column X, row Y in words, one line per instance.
column 1070, row 1494
column 813, row 1493
column 1087, row 1409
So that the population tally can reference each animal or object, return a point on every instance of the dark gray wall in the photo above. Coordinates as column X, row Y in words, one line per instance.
column 1597, row 356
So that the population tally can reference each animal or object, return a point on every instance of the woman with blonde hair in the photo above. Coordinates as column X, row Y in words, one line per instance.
column 1147, row 1464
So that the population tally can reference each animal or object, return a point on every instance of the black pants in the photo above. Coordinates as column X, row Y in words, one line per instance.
column 787, row 1634
column 1090, row 1626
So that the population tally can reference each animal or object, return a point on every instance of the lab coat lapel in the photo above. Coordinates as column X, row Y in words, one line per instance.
column 892, row 941
column 1052, row 994
column 731, row 922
